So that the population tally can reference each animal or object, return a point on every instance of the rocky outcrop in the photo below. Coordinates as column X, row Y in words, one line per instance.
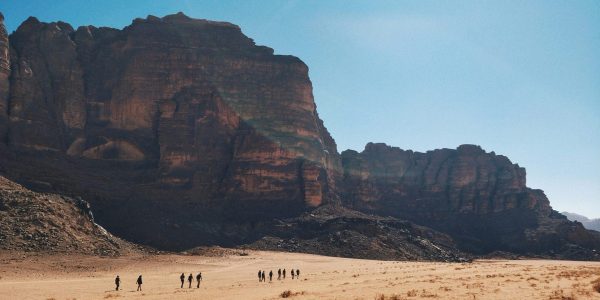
column 480, row 199
column 336, row 231
column 35, row 222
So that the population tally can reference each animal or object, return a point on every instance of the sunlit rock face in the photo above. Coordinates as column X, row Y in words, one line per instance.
column 479, row 198
column 191, row 110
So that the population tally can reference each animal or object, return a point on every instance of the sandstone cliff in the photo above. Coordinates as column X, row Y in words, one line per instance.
column 479, row 198
column 4, row 73
column 183, row 132
column 169, row 113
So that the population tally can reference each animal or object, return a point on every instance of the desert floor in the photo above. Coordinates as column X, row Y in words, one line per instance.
column 235, row 277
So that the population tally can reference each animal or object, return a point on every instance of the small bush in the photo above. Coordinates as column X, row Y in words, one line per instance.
column 288, row 294
column 390, row 297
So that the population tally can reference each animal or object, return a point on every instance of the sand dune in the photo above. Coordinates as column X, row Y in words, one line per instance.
column 235, row 277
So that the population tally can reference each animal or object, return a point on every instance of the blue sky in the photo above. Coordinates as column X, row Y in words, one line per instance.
column 521, row 78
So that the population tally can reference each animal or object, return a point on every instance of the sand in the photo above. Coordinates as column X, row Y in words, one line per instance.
column 235, row 277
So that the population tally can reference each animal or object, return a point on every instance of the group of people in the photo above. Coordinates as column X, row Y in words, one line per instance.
column 182, row 277
column 262, row 277
column 138, row 282
column 191, row 279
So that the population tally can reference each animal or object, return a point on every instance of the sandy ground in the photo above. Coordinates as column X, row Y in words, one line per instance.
column 235, row 277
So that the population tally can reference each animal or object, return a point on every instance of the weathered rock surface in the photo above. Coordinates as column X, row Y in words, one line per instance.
column 478, row 198
column 166, row 122
column 4, row 82
column 182, row 132
column 37, row 222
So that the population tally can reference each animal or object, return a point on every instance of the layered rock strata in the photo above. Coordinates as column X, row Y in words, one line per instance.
column 183, row 132
column 169, row 113
column 481, row 199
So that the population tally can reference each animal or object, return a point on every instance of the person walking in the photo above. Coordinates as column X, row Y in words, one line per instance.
column 259, row 276
column 279, row 274
column 297, row 273
column 182, row 278
column 190, row 279
column 117, row 282
column 283, row 273
column 292, row 273
column 271, row 276
column 263, row 276
column 139, row 283
column 199, row 278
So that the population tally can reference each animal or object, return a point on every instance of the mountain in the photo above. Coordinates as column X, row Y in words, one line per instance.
column 170, row 127
column 183, row 132
column 478, row 198
column 592, row 224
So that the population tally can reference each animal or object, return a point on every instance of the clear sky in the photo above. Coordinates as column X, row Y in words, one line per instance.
column 521, row 78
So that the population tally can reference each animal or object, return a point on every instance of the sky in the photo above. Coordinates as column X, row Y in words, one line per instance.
column 520, row 78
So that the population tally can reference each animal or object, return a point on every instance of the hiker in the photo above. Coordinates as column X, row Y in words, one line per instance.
column 139, row 283
column 190, row 279
column 271, row 276
column 293, row 273
column 199, row 278
column 259, row 276
column 283, row 273
column 117, row 282
column 263, row 276
column 182, row 278
column 298, row 273
column 279, row 274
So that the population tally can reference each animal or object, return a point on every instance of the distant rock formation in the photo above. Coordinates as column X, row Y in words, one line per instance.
column 182, row 132
column 479, row 198
column 592, row 224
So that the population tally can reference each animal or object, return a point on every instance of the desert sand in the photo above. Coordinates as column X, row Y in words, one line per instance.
column 233, row 276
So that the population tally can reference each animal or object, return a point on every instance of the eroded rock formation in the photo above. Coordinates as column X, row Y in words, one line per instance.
column 167, row 113
column 182, row 132
column 479, row 198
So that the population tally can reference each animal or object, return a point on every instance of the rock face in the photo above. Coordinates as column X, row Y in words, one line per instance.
column 478, row 198
column 4, row 82
column 51, row 223
column 167, row 114
column 182, row 132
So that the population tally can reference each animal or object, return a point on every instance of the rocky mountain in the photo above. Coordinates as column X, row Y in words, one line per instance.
column 479, row 198
column 183, row 132
column 32, row 221
column 170, row 127
column 592, row 224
